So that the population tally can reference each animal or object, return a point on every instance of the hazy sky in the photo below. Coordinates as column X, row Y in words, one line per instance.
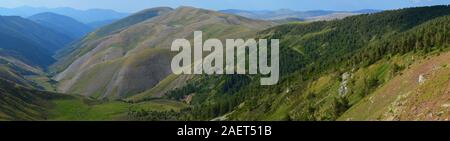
column 136, row 5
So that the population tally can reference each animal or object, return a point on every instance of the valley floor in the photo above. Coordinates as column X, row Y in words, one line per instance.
column 79, row 109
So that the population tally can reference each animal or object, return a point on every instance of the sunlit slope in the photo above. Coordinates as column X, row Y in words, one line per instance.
column 77, row 49
column 137, row 58
column 421, row 92
column 328, row 68
column 384, row 71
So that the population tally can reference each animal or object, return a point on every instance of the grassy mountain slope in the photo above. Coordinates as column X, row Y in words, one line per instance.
column 27, row 50
column 21, row 103
column 135, row 59
column 29, row 42
column 61, row 24
column 354, row 70
column 76, row 50
column 420, row 93
column 16, row 71
column 330, row 67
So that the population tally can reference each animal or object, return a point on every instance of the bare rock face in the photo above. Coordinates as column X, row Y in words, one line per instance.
column 343, row 89
column 421, row 79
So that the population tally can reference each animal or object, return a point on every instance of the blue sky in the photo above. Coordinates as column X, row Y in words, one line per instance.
column 136, row 5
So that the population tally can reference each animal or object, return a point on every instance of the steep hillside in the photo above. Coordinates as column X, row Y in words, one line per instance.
column 26, row 51
column 61, row 24
column 31, row 32
column 422, row 92
column 370, row 64
column 20, row 103
column 29, row 42
column 128, row 61
column 17, row 71
column 344, row 68
column 69, row 54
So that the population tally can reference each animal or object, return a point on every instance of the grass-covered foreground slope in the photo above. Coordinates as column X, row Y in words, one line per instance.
column 363, row 67
column 21, row 103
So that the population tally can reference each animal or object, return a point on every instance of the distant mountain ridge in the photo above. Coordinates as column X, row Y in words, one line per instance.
column 132, row 19
column 62, row 24
column 84, row 16
column 98, row 24
column 289, row 14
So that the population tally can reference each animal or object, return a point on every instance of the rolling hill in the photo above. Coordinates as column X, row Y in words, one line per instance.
column 61, row 24
column 133, row 55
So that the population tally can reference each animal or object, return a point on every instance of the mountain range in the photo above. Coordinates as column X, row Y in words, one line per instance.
column 84, row 16
column 303, row 15
column 66, row 25
column 136, row 50
column 374, row 65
